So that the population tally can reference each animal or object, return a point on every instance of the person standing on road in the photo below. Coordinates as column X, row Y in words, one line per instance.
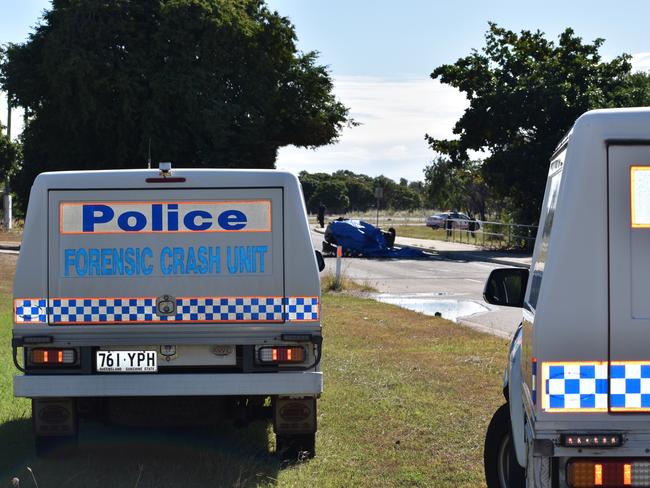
column 471, row 226
column 449, row 225
column 321, row 215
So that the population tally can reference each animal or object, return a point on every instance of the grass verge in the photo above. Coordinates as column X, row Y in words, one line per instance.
column 328, row 284
column 406, row 403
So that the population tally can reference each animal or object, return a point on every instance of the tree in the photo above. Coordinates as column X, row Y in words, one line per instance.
column 332, row 194
column 456, row 186
column 9, row 157
column 524, row 94
column 361, row 194
column 359, row 190
column 405, row 198
column 208, row 83
column 309, row 182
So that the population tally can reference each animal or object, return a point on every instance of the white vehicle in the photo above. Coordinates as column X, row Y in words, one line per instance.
column 577, row 383
column 458, row 221
column 136, row 285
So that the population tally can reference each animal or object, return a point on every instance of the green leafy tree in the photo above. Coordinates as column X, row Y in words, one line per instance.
column 309, row 183
column 208, row 83
column 359, row 190
column 453, row 186
column 331, row 193
column 524, row 93
column 405, row 198
column 361, row 195
column 10, row 154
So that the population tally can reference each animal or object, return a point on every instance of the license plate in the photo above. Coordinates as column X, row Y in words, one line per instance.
column 127, row 361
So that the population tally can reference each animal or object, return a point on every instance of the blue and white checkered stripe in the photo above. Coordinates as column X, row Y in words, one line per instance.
column 630, row 386
column 574, row 387
column 30, row 310
column 302, row 309
column 204, row 309
column 533, row 370
column 188, row 309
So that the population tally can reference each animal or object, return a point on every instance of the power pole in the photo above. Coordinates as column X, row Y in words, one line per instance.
column 379, row 193
column 8, row 117
column 7, row 203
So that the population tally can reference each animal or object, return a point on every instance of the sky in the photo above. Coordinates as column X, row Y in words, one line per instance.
column 380, row 54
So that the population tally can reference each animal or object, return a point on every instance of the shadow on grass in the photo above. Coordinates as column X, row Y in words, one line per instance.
column 115, row 456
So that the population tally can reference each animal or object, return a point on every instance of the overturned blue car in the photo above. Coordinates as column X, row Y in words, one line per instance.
column 361, row 239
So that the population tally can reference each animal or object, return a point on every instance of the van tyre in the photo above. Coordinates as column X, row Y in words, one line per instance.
column 54, row 446
column 295, row 448
column 499, row 460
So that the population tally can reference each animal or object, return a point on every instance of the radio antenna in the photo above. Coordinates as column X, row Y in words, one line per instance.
column 149, row 155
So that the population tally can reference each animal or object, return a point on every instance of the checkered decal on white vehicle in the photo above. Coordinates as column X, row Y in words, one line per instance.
column 31, row 310
column 569, row 387
column 624, row 386
column 188, row 309
column 630, row 386
column 302, row 309
column 533, row 371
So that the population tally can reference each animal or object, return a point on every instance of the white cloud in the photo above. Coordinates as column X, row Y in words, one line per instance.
column 641, row 61
column 395, row 115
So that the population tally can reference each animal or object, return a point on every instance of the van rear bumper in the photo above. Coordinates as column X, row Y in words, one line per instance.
column 113, row 385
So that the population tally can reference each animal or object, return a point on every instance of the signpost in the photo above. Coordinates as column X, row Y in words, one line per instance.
column 379, row 194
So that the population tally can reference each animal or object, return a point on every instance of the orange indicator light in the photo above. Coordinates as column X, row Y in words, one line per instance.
column 52, row 356
column 627, row 475
column 281, row 354
column 598, row 474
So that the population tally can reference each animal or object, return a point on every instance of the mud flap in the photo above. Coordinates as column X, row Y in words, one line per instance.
column 538, row 471
column 54, row 417
column 294, row 415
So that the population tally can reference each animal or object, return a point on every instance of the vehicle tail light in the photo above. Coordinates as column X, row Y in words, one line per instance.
column 52, row 356
column 281, row 354
column 608, row 473
column 591, row 440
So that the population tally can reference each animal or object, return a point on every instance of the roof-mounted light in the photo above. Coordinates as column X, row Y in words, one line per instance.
column 165, row 169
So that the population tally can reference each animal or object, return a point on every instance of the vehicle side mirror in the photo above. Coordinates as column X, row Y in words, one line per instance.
column 506, row 287
column 320, row 261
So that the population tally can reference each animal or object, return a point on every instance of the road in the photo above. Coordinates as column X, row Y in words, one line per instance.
column 452, row 287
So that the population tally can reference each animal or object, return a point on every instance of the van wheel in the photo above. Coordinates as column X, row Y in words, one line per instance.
column 295, row 448
column 499, row 460
column 54, row 446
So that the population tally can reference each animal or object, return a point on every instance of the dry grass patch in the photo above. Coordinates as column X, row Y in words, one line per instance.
column 328, row 284
column 7, row 270
column 11, row 236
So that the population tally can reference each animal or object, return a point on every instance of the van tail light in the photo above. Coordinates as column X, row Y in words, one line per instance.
column 608, row 473
column 51, row 356
column 591, row 440
column 281, row 354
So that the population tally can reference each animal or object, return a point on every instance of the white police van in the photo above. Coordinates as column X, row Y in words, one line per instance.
column 134, row 285
column 578, row 377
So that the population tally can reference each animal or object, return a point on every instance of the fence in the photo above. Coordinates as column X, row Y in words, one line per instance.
column 490, row 234
column 496, row 235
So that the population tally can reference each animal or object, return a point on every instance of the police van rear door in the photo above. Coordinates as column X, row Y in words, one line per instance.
column 629, row 283
column 157, row 256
